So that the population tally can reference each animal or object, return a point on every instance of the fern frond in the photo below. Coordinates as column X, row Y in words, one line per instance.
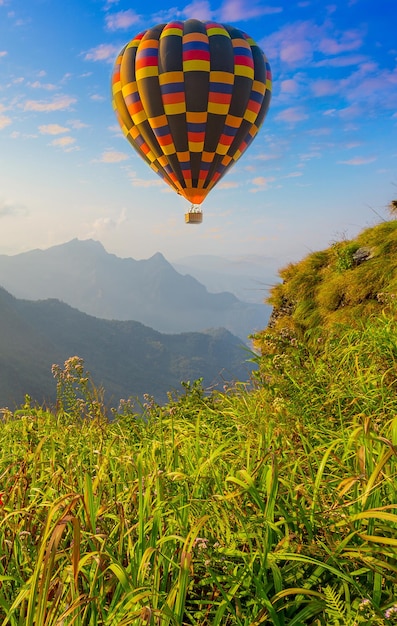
column 336, row 609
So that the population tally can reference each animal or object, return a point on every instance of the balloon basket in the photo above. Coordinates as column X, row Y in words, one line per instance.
column 194, row 217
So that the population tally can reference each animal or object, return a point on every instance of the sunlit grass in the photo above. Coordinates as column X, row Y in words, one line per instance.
column 276, row 505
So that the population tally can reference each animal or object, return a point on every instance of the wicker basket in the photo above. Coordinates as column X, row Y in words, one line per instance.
column 193, row 217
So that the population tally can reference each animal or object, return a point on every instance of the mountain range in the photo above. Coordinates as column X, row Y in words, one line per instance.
column 151, row 291
column 126, row 358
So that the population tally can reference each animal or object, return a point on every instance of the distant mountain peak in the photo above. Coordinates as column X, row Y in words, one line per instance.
column 82, row 244
column 151, row 291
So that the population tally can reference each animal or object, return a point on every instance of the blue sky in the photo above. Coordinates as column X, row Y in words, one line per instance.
column 322, row 167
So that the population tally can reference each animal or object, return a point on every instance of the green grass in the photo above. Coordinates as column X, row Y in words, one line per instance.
column 271, row 504
column 329, row 287
column 276, row 505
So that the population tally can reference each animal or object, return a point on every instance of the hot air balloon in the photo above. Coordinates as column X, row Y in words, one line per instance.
column 190, row 97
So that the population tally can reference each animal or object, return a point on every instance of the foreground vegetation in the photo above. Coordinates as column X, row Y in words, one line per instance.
column 268, row 506
column 274, row 504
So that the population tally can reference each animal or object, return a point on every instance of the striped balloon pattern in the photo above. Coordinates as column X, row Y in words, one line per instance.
column 190, row 97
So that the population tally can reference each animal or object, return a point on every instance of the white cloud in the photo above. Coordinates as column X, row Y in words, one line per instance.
column 293, row 175
column 293, row 44
column 3, row 53
column 227, row 185
column 122, row 20
column 77, row 124
column 103, row 52
column 236, row 10
column 53, row 129
column 105, row 224
column 60, row 103
column 38, row 85
column 111, row 156
column 261, row 182
column 373, row 87
column 290, row 86
column 301, row 42
column 4, row 121
column 342, row 61
column 143, row 182
column 359, row 161
column 325, row 87
column 63, row 142
column 9, row 209
column 267, row 156
column 199, row 9
column 348, row 41
column 292, row 115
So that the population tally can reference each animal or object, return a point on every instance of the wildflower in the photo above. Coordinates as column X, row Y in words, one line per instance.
column 1, row 498
column 363, row 603
column 201, row 543
column 391, row 611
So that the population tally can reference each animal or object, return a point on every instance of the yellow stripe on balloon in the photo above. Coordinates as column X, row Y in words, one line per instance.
column 171, row 31
column 140, row 117
column 196, row 146
column 259, row 86
column 174, row 109
column 244, row 70
column 215, row 30
column 218, row 108
column 196, row 65
column 145, row 72
column 129, row 88
column 171, row 77
column 196, row 117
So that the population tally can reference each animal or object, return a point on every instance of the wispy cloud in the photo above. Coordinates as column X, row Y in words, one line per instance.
column 121, row 20
column 9, row 209
column 66, row 143
column 111, row 156
column 228, row 185
column 97, row 97
column 77, row 124
column 5, row 121
column 260, row 183
column 290, row 86
column 239, row 10
column 201, row 9
column 292, row 115
column 372, row 86
column 53, row 129
column 3, row 53
column 293, row 175
column 293, row 44
column 348, row 40
column 359, row 161
column 325, row 87
column 300, row 42
column 38, row 85
column 106, row 224
column 103, row 52
column 341, row 61
column 143, row 182
column 60, row 103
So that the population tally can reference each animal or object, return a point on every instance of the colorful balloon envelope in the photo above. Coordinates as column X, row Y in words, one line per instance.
column 190, row 97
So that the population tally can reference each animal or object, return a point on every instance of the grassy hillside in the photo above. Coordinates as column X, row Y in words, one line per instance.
column 345, row 283
column 274, row 505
